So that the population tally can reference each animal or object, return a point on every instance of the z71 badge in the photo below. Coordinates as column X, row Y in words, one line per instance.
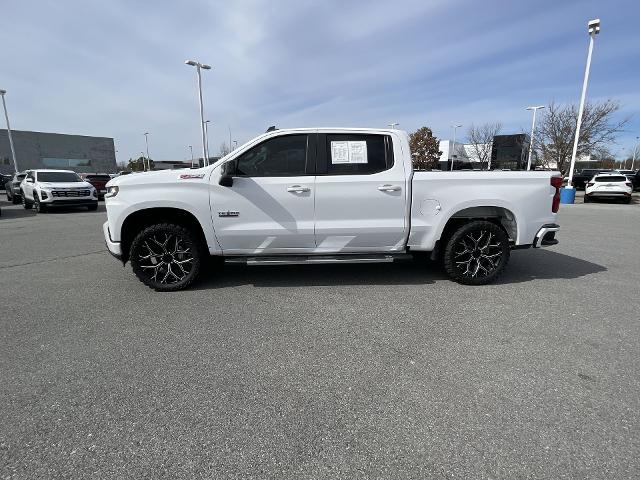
column 228, row 214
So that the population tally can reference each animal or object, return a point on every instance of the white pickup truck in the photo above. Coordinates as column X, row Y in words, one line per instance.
column 325, row 195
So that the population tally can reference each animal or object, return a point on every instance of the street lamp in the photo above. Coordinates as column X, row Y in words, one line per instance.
column 235, row 144
column 201, row 66
column 6, row 116
column 206, row 136
column 635, row 150
column 453, row 148
column 533, row 129
column 594, row 29
column 146, row 141
column 191, row 149
column 394, row 125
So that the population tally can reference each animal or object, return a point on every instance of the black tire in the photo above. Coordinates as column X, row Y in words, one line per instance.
column 158, row 248
column 627, row 200
column 38, row 206
column 25, row 203
column 15, row 200
column 93, row 208
column 477, row 253
column 586, row 199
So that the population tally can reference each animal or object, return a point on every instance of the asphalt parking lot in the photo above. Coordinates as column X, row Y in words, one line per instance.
column 345, row 371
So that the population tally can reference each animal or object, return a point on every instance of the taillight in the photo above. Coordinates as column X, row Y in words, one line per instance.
column 590, row 184
column 556, row 182
column 629, row 184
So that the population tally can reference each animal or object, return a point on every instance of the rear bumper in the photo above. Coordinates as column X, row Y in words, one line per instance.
column 608, row 194
column 114, row 247
column 546, row 236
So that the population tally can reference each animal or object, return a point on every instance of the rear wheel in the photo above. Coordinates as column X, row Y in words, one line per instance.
column 587, row 199
column 477, row 253
column 166, row 257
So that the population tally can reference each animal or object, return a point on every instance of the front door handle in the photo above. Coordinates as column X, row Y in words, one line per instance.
column 389, row 188
column 298, row 189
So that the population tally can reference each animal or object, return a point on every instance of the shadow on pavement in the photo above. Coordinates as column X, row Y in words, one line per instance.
column 524, row 266
column 533, row 264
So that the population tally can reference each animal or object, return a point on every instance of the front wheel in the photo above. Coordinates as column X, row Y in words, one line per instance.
column 477, row 253
column 39, row 207
column 25, row 203
column 166, row 257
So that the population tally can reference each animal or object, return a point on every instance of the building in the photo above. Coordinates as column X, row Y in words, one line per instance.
column 55, row 150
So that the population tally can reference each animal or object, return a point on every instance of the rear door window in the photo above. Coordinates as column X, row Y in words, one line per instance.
column 355, row 154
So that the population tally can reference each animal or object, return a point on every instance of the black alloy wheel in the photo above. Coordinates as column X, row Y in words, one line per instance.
column 166, row 257
column 477, row 253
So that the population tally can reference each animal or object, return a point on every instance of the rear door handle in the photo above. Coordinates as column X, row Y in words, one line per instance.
column 389, row 188
column 298, row 189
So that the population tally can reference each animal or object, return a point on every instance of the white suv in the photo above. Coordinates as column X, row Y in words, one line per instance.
column 609, row 185
column 43, row 189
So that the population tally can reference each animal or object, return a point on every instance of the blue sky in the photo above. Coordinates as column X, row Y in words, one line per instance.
column 116, row 68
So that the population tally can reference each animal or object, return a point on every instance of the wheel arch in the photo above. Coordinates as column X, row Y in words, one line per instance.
column 502, row 216
column 137, row 221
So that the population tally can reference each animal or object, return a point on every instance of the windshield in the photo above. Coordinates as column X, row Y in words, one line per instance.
column 611, row 178
column 58, row 177
column 100, row 178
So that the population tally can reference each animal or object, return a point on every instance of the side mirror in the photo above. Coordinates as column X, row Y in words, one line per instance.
column 226, row 180
column 228, row 170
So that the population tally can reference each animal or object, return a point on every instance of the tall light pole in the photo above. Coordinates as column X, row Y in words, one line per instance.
column 201, row 66
column 191, row 149
column 635, row 150
column 6, row 116
column 594, row 28
column 235, row 144
column 394, row 125
column 533, row 129
column 146, row 141
column 453, row 148
column 206, row 136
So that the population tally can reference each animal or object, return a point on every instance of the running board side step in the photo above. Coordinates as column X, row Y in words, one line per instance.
column 316, row 259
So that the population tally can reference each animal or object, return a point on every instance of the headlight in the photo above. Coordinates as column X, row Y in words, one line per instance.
column 43, row 195
column 111, row 191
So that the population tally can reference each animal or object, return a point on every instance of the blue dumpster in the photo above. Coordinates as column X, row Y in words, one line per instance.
column 567, row 195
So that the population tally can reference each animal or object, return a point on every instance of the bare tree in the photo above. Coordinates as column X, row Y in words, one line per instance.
column 224, row 149
column 556, row 131
column 480, row 138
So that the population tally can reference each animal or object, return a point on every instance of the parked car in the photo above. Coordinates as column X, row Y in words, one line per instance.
column 3, row 180
column 12, row 187
column 321, row 196
column 99, row 182
column 44, row 189
column 581, row 178
column 609, row 186
column 636, row 180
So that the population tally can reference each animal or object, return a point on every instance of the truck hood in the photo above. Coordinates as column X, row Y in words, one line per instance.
column 158, row 176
